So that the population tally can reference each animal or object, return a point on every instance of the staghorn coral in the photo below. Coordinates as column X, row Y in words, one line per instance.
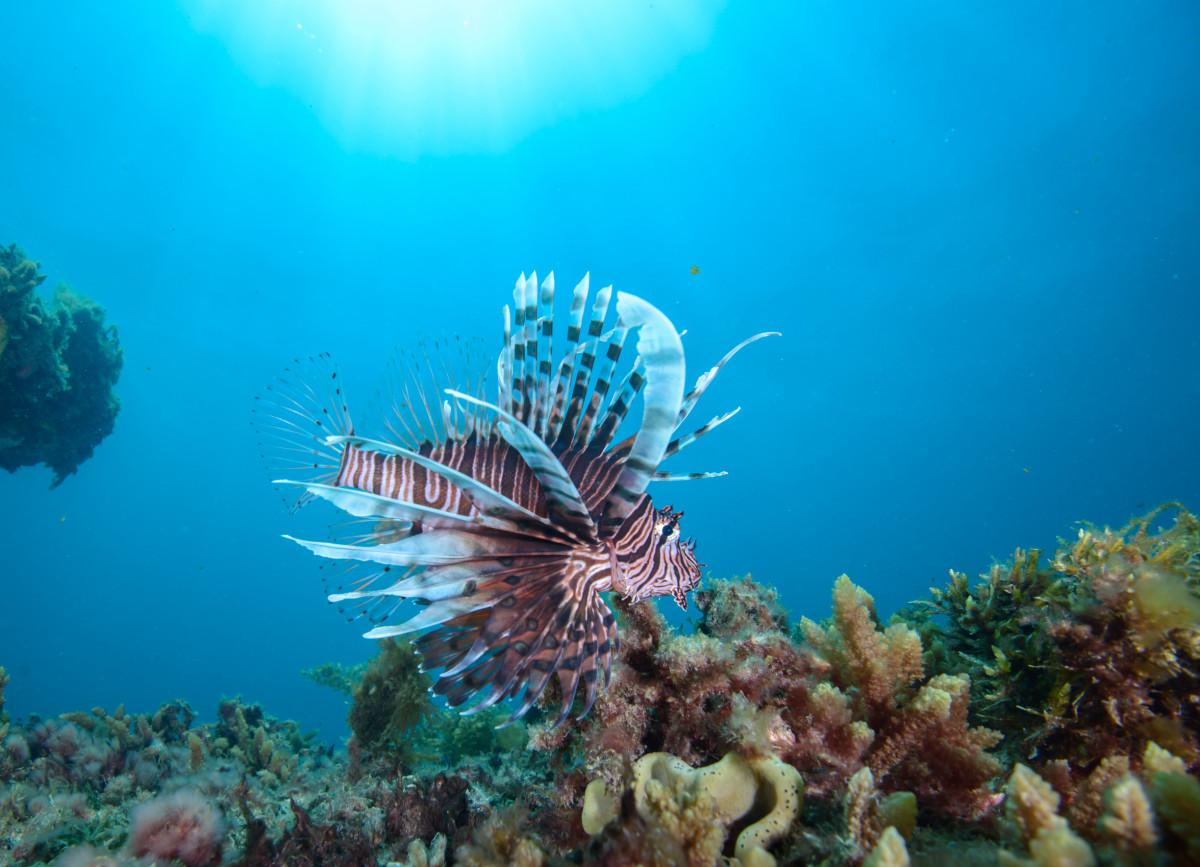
column 1135, row 823
column 59, row 363
column 1031, row 808
column 890, row 851
column 922, row 741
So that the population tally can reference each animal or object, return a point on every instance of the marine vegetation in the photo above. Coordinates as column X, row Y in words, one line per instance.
column 1089, row 656
column 507, row 521
column 742, row 742
column 59, row 363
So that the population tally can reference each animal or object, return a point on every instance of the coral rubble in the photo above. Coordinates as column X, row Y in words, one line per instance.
column 1045, row 716
column 59, row 362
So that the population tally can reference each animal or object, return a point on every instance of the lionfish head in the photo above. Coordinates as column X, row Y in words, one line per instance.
column 679, row 572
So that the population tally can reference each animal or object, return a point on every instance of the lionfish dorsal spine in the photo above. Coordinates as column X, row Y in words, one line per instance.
column 545, row 359
column 661, row 351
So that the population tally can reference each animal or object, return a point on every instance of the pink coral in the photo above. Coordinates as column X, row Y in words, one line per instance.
column 182, row 826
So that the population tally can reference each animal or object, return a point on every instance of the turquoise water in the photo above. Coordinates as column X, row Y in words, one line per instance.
column 975, row 225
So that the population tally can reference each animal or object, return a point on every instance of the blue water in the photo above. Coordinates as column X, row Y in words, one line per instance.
column 977, row 226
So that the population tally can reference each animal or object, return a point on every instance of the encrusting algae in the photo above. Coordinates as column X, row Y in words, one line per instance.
column 978, row 728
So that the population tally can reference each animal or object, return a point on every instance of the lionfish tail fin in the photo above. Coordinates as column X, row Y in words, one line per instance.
column 295, row 416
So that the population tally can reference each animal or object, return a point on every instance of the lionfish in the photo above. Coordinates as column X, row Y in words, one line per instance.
column 507, row 521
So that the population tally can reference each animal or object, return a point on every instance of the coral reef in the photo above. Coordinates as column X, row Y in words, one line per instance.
column 922, row 741
column 1093, row 655
column 1130, row 819
column 58, row 365
column 739, row 743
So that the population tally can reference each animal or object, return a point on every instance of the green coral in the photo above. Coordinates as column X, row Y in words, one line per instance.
column 3, row 683
column 58, row 365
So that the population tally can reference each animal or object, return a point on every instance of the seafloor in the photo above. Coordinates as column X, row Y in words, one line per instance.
column 1045, row 714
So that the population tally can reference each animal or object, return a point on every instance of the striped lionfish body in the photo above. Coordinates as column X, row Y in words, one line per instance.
column 505, row 521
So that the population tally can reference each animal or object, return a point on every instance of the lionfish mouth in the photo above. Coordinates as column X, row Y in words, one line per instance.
column 507, row 519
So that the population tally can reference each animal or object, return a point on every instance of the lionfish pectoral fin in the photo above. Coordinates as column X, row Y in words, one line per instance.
column 362, row 504
column 555, row 482
column 542, row 620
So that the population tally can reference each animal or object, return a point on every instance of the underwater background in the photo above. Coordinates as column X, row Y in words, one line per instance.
column 976, row 225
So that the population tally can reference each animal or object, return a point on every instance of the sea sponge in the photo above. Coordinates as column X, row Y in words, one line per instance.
column 599, row 807
column 181, row 826
column 698, row 805
column 784, row 791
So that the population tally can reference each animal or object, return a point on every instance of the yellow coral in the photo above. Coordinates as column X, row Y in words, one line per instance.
column 1155, row 761
column 1128, row 819
column 1032, row 804
column 1060, row 847
column 890, row 851
column 899, row 810
column 877, row 662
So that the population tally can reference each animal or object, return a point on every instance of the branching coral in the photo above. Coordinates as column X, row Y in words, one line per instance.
column 1126, row 818
column 58, row 365
column 922, row 741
